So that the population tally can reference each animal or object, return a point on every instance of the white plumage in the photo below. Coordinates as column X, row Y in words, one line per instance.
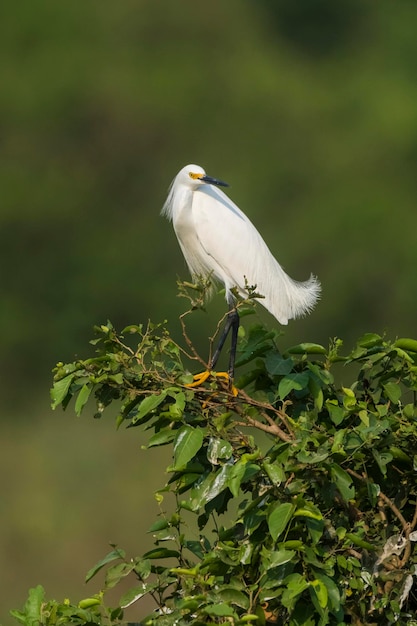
column 217, row 238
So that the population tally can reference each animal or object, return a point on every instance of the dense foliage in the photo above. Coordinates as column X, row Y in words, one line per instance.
column 292, row 502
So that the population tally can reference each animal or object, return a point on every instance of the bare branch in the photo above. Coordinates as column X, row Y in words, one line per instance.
column 272, row 428
column 194, row 356
column 262, row 405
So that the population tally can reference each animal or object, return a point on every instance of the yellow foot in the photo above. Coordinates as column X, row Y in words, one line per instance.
column 226, row 376
column 201, row 378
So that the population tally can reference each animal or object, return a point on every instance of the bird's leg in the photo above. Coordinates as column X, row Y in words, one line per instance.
column 233, row 345
column 232, row 324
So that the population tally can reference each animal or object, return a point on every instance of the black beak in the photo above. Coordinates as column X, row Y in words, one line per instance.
column 214, row 181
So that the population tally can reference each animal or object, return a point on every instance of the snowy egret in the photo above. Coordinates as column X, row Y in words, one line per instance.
column 219, row 241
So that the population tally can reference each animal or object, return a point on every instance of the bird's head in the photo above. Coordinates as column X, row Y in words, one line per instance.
column 190, row 178
column 193, row 176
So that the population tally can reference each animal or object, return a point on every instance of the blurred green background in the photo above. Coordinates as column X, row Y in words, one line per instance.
column 308, row 109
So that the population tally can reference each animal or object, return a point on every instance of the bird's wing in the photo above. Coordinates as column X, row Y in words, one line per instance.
column 236, row 253
column 234, row 246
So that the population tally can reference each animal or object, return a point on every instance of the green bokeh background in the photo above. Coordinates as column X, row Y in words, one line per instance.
column 308, row 109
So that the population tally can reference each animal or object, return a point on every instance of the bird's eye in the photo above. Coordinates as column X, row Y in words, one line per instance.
column 194, row 176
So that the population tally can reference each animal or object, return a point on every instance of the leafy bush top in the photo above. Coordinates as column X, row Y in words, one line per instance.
column 294, row 501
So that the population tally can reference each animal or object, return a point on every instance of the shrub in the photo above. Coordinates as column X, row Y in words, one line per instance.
column 292, row 502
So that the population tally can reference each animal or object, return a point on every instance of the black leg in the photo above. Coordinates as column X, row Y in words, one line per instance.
column 233, row 345
column 232, row 323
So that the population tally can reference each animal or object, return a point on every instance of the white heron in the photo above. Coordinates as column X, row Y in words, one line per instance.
column 219, row 241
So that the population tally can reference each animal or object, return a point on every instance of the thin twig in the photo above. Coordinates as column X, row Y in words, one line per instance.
column 272, row 429
column 355, row 553
column 262, row 405
column 397, row 513
column 382, row 511
column 189, row 343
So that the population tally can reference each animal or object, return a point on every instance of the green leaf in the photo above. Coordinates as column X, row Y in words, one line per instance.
column 82, row 398
column 393, row 392
column 359, row 541
column 136, row 593
column 308, row 511
column 177, row 409
column 188, row 442
column 320, row 590
column 338, row 441
column 195, row 547
column 143, row 567
column 410, row 345
column 235, row 476
column 246, row 552
column 382, row 458
column 209, row 488
column 364, row 417
column 369, row 340
column 373, row 491
column 252, row 519
column 349, row 399
column 31, row 614
column 111, row 556
column 318, row 396
column 115, row 573
column 161, row 553
column 292, row 382
column 276, row 365
column 315, row 529
column 296, row 584
column 258, row 342
column 20, row 617
column 336, row 412
column 230, row 595
column 116, row 378
column 161, row 438
column 275, row 472
column 307, row 348
column 313, row 456
column 219, row 610
column 60, row 389
column 218, row 449
column 147, row 405
column 278, row 519
column 274, row 558
column 332, row 591
column 343, row 482
column 160, row 524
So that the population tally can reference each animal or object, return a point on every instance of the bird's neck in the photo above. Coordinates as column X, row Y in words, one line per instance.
column 181, row 205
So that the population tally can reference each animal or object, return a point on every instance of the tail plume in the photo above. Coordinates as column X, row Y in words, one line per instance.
column 293, row 299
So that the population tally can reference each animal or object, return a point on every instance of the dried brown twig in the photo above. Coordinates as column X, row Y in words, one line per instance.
column 194, row 354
